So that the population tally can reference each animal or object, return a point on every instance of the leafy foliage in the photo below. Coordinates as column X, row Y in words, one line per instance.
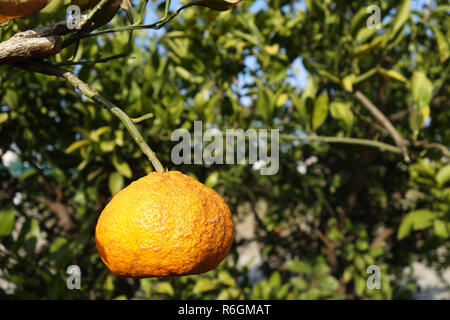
column 319, row 229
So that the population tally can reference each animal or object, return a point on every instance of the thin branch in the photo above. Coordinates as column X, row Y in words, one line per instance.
column 364, row 142
column 424, row 144
column 398, row 139
column 137, row 26
column 380, row 239
column 400, row 115
column 91, row 62
column 49, row 69
column 370, row 121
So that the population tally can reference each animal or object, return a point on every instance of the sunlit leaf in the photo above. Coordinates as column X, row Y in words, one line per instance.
column 6, row 220
column 122, row 167
column 402, row 16
column 116, row 182
column 320, row 112
column 443, row 175
column 164, row 288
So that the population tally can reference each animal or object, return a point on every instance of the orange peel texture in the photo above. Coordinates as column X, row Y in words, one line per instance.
column 164, row 224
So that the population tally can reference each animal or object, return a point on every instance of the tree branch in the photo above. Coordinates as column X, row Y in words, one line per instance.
column 49, row 69
column 398, row 139
column 426, row 145
column 26, row 45
column 381, row 238
column 364, row 142
column 34, row 44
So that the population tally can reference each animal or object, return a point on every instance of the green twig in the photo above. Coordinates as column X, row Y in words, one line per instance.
column 364, row 142
column 142, row 118
column 156, row 25
column 96, row 97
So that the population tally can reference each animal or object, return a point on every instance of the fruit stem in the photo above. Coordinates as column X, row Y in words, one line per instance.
column 119, row 113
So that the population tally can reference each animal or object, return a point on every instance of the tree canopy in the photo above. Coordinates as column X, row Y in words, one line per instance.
column 363, row 114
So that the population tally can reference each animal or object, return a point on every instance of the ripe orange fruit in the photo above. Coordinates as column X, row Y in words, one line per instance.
column 11, row 9
column 164, row 224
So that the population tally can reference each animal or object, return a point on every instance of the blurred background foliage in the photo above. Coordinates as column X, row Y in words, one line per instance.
column 330, row 212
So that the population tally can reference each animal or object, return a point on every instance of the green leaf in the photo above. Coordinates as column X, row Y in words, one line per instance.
column 119, row 137
column 320, row 111
column 77, row 145
column 365, row 34
column 392, row 74
column 443, row 44
column 115, row 183
column 11, row 98
column 299, row 283
column 6, row 220
column 183, row 73
column 329, row 76
column 27, row 174
column 204, row 285
column 402, row 16
column 212, row 180
column 201, row 99
column 164, row 288
column 3, row 117
column 275, row 279
column 146, row 285
column 107, row 146
column 366, row 75
column 108, row 285
column 95, row 134
column 376, row 252
column 310, row 90
column 359, row 262
column 328, row 282
column 405, row 228
column 225, row 278
column 416, row 120
column 266, row 103
column 440, row 229
column 32, row 235
column 348, row 274
column 282, row 291
column 188, row 76
column 360, row 285
column 342, row 112
column 299, row 105
column 281, row 99
column 348, row 81
column 297, row 266
column 320, row 268
column 122, row 167
column 415, row 220
column 60, row 252
column 422, row 219
column 379, row 41
column 358, row 20
column 443, row 175
column 422, row 89
column 362, row 245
